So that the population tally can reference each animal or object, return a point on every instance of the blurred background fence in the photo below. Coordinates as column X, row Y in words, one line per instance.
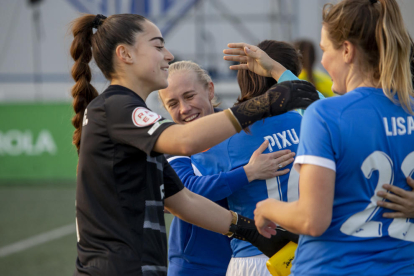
column 37, row 160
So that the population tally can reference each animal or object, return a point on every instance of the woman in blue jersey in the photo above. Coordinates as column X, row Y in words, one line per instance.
column 282, row 132
column 351, row 146
column 191, row 249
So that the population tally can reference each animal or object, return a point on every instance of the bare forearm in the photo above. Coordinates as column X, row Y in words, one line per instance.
column 312, row 213
column 286, row 214
column 193, row 138
column 277, row 70
column 199, row 211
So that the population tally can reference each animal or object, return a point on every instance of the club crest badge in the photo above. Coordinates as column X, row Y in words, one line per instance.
column 142, row 117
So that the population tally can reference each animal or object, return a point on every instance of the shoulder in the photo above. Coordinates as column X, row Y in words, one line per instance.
column 335, row 105
column 121, row 96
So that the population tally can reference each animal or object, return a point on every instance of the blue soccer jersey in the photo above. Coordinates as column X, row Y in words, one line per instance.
column 283, row 133
column 368, row 141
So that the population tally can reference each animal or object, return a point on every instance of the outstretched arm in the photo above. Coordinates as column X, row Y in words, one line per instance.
column 204, row 213
column 210, row 130
column 219, row 186
column 256, row 60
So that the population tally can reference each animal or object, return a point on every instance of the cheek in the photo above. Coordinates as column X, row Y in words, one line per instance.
column 174, row 115
column 324, row 62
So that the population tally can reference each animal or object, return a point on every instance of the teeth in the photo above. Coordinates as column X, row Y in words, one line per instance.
column 165, row 69
column 191, row 118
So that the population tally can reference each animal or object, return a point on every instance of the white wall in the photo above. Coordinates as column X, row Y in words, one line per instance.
column 21, row 47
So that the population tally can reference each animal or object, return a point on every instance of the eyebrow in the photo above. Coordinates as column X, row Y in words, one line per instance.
column 158, row 37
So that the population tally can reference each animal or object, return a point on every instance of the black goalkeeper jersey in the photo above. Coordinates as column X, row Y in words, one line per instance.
column 121, row 186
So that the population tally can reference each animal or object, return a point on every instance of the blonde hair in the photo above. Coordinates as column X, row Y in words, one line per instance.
column 189, row 66
column 378, row 31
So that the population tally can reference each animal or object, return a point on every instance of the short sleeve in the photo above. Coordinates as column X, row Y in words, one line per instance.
column 131, row 122
column 319, row 138
column 172, row 183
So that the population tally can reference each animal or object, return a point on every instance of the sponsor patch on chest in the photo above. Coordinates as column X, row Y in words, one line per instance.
column 142, row 117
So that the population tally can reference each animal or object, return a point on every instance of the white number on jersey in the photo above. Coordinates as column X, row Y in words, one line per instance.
column 361, row 223
column 274, row 188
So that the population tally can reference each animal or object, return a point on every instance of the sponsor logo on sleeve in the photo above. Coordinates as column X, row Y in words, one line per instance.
column 142, row 117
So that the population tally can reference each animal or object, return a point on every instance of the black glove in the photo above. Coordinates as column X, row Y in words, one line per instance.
column 280, row 98
column 246, row 230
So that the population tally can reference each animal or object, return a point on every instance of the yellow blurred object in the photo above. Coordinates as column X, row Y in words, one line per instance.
column 323, row 82
column 280, row 263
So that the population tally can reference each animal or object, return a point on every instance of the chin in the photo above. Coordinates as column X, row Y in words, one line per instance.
column 165, row 85
column 338, row 91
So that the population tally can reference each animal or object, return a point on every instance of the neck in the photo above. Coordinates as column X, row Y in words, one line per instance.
column 356, row 79
column 139, row 88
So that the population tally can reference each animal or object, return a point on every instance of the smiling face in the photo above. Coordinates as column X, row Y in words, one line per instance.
column 150, row 58
column 334, row 63
column 186, row 99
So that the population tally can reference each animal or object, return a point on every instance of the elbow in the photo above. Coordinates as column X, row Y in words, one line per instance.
column 315, row 228
column 187, row 149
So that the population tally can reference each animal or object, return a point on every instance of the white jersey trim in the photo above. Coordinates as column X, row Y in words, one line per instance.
column 176, row 157
column 314, row 160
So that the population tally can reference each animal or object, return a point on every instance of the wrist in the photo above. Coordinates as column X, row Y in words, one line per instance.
column 249, row 173
column 277, row 71
column 234, row 220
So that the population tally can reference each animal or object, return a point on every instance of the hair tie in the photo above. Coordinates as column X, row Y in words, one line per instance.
column 373, row 1
column 98, row 20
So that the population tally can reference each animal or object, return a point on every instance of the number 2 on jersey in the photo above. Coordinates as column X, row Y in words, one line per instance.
column 361, row 223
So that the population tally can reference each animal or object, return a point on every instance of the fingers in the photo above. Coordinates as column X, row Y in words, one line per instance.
column 391, row 197
column 269, row 231
column 239, row 52
column 249, row 52
column 410, row 182
column 394, row 215
column 279, row 153
column 264, row 233
column 262, row 147
column 272, row 225
column 279, row 173
column 266, row 230
column 239, row 67
column 390, row 205
column 394, row 189
column 242, row 45
column 236, row 58
column 285, row 160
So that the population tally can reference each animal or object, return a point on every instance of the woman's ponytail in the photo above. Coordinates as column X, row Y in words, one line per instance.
column 394, row 47
column 81, row 51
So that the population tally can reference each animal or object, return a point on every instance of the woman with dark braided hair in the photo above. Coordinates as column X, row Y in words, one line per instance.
column 123, row 180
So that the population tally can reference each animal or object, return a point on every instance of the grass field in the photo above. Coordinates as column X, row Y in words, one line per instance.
column 37, row 230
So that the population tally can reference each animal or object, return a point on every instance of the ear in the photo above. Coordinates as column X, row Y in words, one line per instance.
column 210, row 90
column 348, row 51
column 123, row 54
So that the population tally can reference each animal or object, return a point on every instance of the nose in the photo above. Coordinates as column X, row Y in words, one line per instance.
column 184, row 107
column 169, row 57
